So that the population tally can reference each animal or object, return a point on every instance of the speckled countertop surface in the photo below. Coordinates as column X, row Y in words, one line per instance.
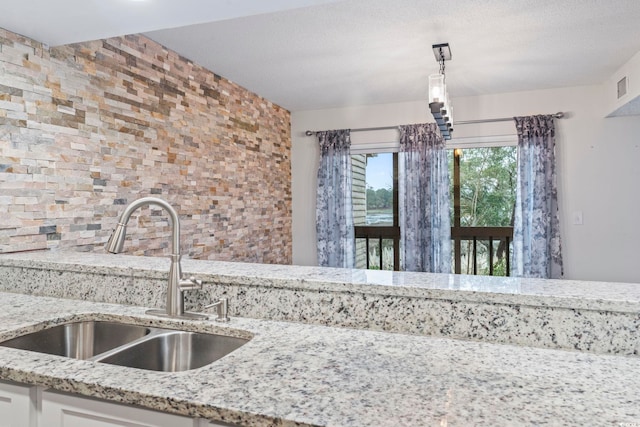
column 576, row 294
column 295, row 374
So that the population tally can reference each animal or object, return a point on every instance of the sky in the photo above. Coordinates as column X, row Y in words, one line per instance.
column 380, row 171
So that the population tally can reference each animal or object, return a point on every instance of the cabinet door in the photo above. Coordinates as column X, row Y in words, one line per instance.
column 62, row 410
column 18, row 405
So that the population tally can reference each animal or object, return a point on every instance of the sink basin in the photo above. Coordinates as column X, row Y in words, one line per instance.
column 80, row 340
column 175, row 351
column 127, row 345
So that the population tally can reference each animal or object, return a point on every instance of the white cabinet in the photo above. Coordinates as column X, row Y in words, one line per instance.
column 64, row 410
column 18, row 405
column 22, row 405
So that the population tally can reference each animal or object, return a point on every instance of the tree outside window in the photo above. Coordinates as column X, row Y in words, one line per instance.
column 483, row 204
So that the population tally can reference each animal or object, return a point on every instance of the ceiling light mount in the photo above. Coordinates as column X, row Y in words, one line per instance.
column 441, row 50
column 439, row 103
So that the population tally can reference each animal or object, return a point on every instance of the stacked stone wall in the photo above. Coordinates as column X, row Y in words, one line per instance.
column 87, row 128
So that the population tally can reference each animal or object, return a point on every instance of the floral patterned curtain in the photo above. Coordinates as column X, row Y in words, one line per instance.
column 334, row 213
column 536, row 235
column 423, row 182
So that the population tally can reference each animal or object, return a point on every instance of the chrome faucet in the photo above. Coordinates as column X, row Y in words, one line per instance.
column 177, row 285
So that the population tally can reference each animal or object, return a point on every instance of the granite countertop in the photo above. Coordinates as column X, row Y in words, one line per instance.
column 293, row 374
column 573, row 294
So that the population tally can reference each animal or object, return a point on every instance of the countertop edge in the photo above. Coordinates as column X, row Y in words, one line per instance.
column 302, row 278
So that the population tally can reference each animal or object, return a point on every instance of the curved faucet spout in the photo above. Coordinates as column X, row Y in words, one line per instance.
column 176, row 285
column 115, row 244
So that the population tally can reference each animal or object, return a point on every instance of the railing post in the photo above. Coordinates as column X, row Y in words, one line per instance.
column 367, row 250
column 490, row 256
column 457, row 242
column 475, row 255
column 508, row 255
column 396, row 253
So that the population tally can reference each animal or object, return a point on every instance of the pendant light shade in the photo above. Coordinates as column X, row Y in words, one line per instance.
column 436, row 88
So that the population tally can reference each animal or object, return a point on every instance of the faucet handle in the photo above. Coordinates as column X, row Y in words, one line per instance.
column 222, row 309
column 190, row 283
column 196, row 281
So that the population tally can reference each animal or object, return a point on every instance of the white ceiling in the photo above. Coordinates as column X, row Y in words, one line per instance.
column 312, row 54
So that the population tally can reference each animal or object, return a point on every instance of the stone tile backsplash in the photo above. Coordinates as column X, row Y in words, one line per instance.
column 87, row 128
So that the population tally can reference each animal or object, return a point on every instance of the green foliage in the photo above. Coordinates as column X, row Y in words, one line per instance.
column 487, row 189
column 500, row 267
column 382, row 198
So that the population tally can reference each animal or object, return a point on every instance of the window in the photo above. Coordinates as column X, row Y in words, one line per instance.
column 375, row 210
column 482, row 201
column 483, row 188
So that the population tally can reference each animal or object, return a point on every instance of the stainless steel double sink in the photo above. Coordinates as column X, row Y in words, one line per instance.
column 129, row 345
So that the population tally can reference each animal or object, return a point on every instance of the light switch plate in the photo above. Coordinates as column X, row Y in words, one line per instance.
column 577, row 218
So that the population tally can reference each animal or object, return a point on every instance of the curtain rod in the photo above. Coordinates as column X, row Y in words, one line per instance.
column 558, row 115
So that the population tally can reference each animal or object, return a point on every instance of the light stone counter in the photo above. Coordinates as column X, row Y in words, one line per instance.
column 596, row 317
column 573, row 294
column 293, row 374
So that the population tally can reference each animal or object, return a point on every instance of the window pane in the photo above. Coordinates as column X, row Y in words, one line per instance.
column 374, row 254
column 372, row 192
column 487, row 186
column 387, row 254
column 374, row 199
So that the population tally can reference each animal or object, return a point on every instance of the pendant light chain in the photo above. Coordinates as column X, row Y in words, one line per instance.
column 442, row 63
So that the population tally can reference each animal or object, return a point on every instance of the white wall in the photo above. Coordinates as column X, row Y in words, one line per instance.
column 598, row 170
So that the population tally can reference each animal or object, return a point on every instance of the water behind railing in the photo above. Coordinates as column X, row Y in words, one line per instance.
column 379, row 218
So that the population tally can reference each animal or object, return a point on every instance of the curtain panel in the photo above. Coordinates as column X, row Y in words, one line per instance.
column 334, row 213
column 423, row 184
column 536, row 235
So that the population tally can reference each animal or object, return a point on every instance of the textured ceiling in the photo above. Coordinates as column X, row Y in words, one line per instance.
column 354, row 52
